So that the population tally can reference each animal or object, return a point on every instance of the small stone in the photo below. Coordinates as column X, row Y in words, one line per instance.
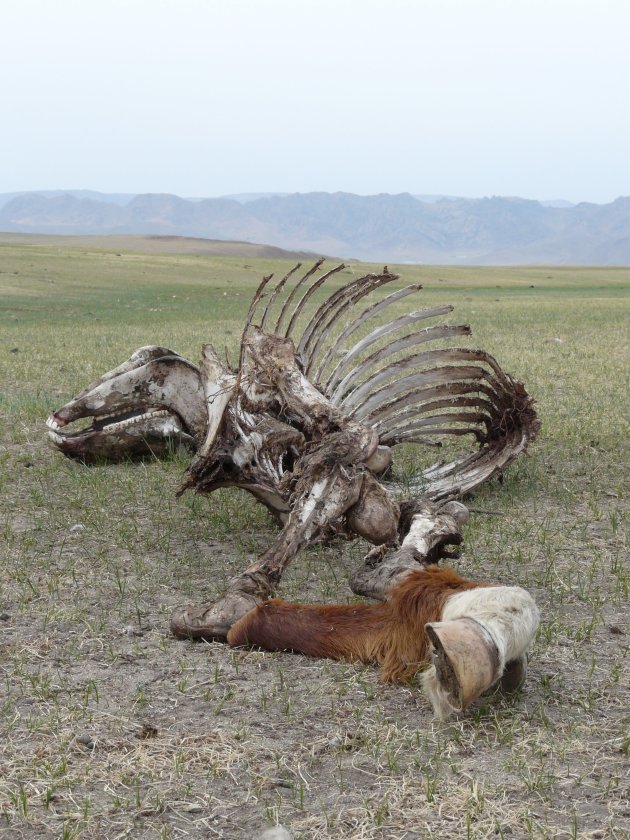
column 4, row 616
column 279, row 832
column 74, row 529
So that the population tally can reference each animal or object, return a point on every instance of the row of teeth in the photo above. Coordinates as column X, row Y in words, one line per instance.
column 54, row 426
column 130, row 421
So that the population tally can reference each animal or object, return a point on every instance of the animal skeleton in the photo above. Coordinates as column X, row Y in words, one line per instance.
column 307, row 422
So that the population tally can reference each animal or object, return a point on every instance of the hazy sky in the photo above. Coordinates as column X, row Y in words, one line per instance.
column 209, row 97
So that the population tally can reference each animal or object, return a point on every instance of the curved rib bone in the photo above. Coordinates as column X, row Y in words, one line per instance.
column 285, row 307
column 401, row 344
column 332, row 310
column 373, row 337
column 277, row 289
column 357, row 399
column 308, row 294
column 367, row 314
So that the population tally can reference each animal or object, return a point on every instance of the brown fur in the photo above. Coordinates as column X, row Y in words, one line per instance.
column 391, row 634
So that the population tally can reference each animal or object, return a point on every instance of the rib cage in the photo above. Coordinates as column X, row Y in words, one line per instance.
column 406, row 389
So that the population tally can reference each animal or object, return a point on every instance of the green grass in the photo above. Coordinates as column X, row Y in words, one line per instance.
column 111, row 728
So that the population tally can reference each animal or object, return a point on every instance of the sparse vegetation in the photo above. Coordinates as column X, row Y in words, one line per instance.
column 112, row 728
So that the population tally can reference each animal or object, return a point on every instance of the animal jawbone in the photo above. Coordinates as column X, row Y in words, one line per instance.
column 131, row 433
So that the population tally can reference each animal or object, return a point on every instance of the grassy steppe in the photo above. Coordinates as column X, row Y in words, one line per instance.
column 111, row 728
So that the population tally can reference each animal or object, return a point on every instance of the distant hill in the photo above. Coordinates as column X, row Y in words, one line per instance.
column 156, row 244
column 387, row 228
column 108, row 198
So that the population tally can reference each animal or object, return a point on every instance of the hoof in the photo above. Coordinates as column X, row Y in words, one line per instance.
column 211, row 621
column 514, row 675
column 466, row 660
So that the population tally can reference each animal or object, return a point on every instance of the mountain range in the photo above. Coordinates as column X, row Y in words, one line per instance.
column 385, row 228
